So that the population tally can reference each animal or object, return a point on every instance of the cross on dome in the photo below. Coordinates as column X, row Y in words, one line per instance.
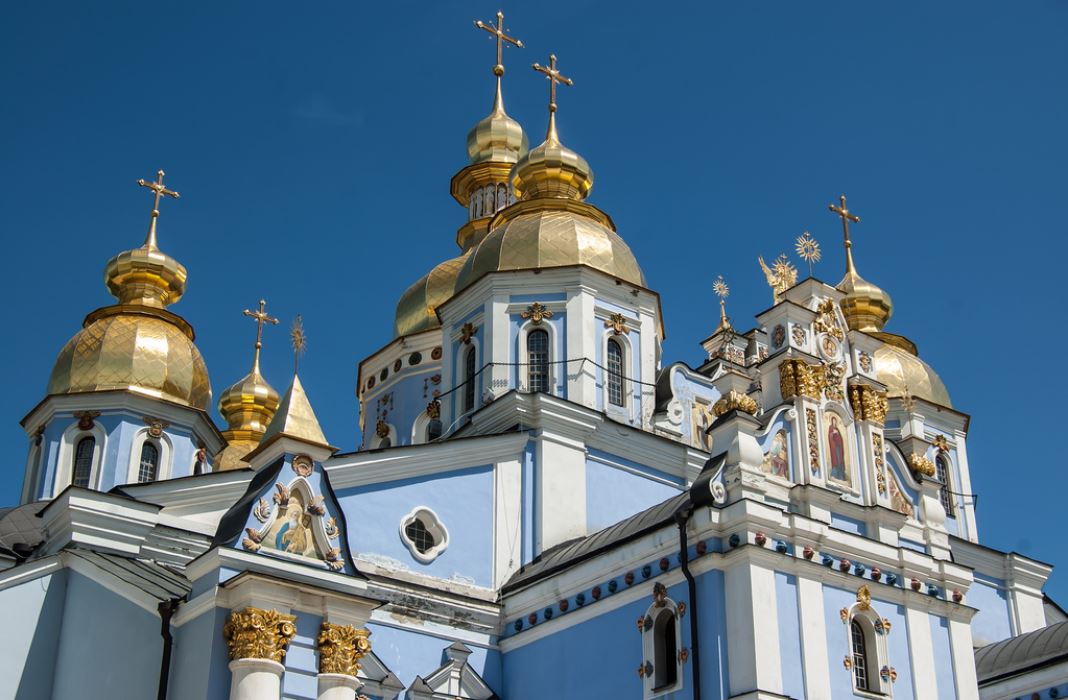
column 498, row 31
column 261, row 317
column 554, row 76
column 159, row 191
column 846, row 217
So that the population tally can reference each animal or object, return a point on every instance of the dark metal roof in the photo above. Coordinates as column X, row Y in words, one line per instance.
column 568, row 553
column 157, row 580
column 1022, row 653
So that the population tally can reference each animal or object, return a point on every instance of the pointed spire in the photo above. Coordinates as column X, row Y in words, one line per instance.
column 295, row 418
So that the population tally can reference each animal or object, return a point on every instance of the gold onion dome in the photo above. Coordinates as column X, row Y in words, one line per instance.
column 497, row 137
column 551, row 225
column 865, row 306
column 906, row 375
column 417, row 308
column 137, row 345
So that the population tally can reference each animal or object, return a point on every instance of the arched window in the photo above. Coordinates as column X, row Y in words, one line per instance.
column 502, row 196
column 433, row 429
column 469, row 379
column 615, row 372
column 665, row 654
column 538, row 360
column 83, row 461
column 859, row 647
column 945, row 491
column 148, row 467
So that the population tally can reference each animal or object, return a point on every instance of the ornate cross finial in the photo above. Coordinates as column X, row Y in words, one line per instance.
column 160, row 192
column 299, row 340
column 261, row 318
column 554, row 77
column 846, row 217
column 722, row 291
column 497, row 31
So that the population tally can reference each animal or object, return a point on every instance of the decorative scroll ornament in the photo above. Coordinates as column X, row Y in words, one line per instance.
column 921, row 465
column 467, row 331
column 844, row 614
column 798, row 378
column 799, row 335
column 253, row 633
column 833, row 374
column 827, row 320
column 156, row 426
column 880, row 463
column 86, row 419
column 780, row 276
column 868, row 403
column 865, row 361
column 334, row 559
column 433, row 409
column 332, row 530
column 341, row 647
column 302, row 465
column 252, row 541
column 282, row 495
column 778, row 336
column 941, row 443
column 848, row 662
column 863, row 598
column 684, row 655
column 813, row 444
column 262, row 511
column 659, row 595
column 734, row 401
column 536, row 313
column 617, row 323
column 645, row 669
column 382, row 429
column 888, row 673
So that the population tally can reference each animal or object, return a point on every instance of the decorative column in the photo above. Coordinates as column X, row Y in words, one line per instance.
column 258, row 640
column 340, row 649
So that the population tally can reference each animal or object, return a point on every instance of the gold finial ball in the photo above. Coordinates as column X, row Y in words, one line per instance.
column 498, row 70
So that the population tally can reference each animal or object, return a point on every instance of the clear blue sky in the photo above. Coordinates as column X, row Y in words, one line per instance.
column 313, row 145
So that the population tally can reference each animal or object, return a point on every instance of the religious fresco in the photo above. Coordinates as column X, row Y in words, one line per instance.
column 700, row 420
column 777, row 459
column 898, row 500
column 291, row 531
column 837, row 456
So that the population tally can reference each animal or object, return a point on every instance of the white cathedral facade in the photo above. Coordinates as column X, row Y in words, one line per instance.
column 542, row 506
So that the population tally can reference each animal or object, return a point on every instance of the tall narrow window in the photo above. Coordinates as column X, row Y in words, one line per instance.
column 665, row 668
column 615, row 372
column 469, row 380
column 945, row 491
column 860, row 656
column 149, row 465
column 83, row 461
column 502, row 196
column 538, row 360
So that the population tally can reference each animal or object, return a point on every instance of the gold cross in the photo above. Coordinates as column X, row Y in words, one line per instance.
column 261, row 317
column 160, row 192
column 497, row 30
column 846, row 217
column 554, row 77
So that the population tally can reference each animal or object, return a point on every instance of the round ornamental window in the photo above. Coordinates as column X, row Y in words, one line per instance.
column 424, row 534
column 370, row 382
column 383, row 374
column 396, row 365
column 435, row 354
column 415, row 358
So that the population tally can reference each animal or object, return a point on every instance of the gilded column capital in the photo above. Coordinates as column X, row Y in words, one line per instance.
column 798, row 378
column 734, row 401
column 868, row 403
column 253, row 633
column 341, row 647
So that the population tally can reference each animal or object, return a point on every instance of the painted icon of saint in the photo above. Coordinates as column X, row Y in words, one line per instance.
column 836, row 450
column 776, row 461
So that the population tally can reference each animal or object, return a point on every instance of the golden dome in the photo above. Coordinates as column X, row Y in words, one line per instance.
column 417, row 308
column 137, row 345
column 552, row 170
column 865, row 307
column 146, row 350
column 536, row 234
column 249, row 404
column 497, row 137
column 904, row 373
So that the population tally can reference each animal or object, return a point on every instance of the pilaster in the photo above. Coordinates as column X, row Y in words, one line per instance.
column 921, row 654
column 752, row 629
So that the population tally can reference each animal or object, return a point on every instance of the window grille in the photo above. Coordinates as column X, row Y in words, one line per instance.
column 149, row 466
column 83, row 461
column 538, row 361
column 615, row 373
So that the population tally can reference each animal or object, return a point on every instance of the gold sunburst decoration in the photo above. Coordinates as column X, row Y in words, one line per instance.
column 722, row 291
column 808, row 249
column 720, row 288
column 299, row 340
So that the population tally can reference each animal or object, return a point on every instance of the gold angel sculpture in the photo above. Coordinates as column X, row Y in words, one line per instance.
column 781, row 275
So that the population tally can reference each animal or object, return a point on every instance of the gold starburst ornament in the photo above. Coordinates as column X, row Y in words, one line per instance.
column 808, row 249
column 299, row 340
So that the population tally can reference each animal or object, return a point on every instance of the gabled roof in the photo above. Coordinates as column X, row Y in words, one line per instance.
column 1017, row 655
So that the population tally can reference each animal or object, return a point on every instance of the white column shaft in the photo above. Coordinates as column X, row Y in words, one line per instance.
column 256, row 679
column 337, row 686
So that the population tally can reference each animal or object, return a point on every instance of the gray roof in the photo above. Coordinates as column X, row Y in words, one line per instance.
column 155, row 579
column 568, row 553
column 1025, row 652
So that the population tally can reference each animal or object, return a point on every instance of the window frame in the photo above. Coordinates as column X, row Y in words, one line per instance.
column 166, row 452
column 433, row 525
column 944, row 473
column 876, row 650
column 529, row 364
column 615, row 377
column 654, row 613
column 469, row 358
column 64, row 471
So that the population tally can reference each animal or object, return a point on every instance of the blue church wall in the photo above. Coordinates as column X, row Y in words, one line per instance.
column 94, row 616
column 300, row 681
column 943, row 657
column 630, row 493
column 408, row 398
column 992, row 622
column 841, row 522
column 34, row 610
column 712, row 619
column 838, row 644
column 409, row 654
column 463, row 502
column 596, row 658
column 200, row 660
column 793, row 672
